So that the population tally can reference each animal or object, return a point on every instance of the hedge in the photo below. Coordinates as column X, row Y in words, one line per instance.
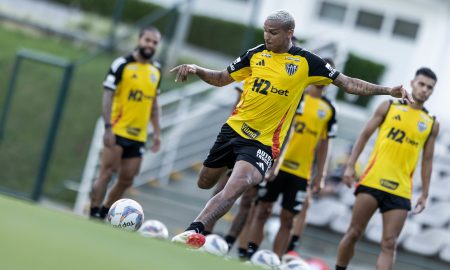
column 362, row 68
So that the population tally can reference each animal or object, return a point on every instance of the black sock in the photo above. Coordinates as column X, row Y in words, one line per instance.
column 103, row 212
column 252, row 248
column 205, row 233
column 230, row 241
column 197, row 226
column 294, row 242
column 94, row 211
column 242, row 253
column 341, row 267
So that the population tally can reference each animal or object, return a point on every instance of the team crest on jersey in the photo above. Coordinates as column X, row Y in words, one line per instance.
column 321, row 114
column 421, row 126
column 153, row 78
column 291, row 69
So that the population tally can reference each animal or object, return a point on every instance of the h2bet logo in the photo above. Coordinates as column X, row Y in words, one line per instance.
column 137, row 95
column 263, row 87
column 399, row 136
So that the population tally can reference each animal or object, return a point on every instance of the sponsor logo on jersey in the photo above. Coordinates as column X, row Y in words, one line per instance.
column 291, row 69
column 133, row 131
column 421, row 126
column 321, row 114
column 132, row 67
column 261, row 63
column 331, row 69
column 389, row 184
column 266, row 55
column 249, row 131
column 292, row 59
column 291, row 164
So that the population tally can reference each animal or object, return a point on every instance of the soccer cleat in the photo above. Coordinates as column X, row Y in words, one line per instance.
column 291, row 255
column 190, row 238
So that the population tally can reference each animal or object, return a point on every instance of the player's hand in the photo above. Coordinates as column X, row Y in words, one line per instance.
column 183, row 71
column 420, row 205
column 400, row 92
column 156, row 144
column 109, row 140
column 316, row 184
column 349, row 176
column 270, row 175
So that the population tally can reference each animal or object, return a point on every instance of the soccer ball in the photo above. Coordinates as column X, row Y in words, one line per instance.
column 296, row 264
column 266, row 259
column 126, row 214
column 154, row 229
column 214, row 244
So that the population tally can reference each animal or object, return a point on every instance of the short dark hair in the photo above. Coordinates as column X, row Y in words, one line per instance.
column 329, row 61
column 149, row 28
column 426, row 72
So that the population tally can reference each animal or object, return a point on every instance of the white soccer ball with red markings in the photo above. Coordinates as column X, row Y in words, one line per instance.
column 126, row 214
column 266, row 259
column 216, row 245
column 154, row 229
column 296, row 264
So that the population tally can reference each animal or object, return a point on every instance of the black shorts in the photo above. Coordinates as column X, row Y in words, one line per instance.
column 386, row 201
column 291, row 186
column 230, row 147
column 130, row 148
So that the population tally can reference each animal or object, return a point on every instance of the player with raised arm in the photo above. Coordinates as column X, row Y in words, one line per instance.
column 275, row 74
column 129, row 102
column 404, row 130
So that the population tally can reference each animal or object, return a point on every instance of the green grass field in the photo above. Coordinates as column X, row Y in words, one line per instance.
column 36, row 238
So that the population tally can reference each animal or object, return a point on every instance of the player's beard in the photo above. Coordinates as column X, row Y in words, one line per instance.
column 145, row 54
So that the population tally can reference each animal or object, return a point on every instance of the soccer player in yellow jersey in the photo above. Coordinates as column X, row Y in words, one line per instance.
column 404, row 130
column 312, row 126
column 275, row 75
column 129, row 102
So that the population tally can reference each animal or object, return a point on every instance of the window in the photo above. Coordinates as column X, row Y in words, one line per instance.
column 369, row 20
column 332, row 11
column 406, row 29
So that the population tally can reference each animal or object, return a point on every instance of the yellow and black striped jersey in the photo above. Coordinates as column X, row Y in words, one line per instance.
column 400, row 140
column 273, row 86
column 135, row 85
column 315, row 119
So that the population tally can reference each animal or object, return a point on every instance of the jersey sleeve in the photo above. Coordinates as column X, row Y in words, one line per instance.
column 332, row 125
column 320, row 72
column 157, row 65
column 240, row 68
column 114, row 75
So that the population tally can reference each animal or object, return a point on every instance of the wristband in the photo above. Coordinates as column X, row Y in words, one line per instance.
column 108, row 125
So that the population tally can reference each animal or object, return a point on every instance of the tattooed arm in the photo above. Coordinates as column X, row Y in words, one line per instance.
column 363, row 88
column 213, row 77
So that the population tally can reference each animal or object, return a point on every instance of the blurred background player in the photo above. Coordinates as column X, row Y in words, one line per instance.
column 129, row 101
column 275, row 74
column 313, row 125
column 404, row 130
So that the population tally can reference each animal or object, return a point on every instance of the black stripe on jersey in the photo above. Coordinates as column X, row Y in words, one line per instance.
column 244, row 60
column 157, row 65
column 333, row 120
column 119, row 71
column 317, row 66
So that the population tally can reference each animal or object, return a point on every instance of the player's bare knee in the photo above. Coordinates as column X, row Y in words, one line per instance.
column 264, row 213
column 389, row 243
column 125, row 182
column 354, row 233
column 204, row 182
column 286, row 222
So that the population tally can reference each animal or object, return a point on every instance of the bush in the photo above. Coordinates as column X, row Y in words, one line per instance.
column 364, row 69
